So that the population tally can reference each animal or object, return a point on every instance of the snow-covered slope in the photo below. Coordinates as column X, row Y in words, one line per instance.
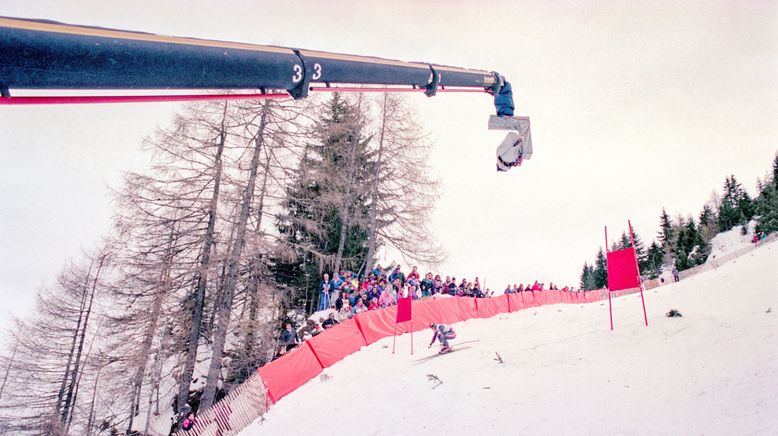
column 713, row 372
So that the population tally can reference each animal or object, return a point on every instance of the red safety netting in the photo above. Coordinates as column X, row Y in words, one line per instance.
column 515, row 302
column 448, row 310
column 335, row 343
column 489, row 307
column 529, row 299
column 289, row 372
column 286, row 374
column 467, row 308
column 424, row 313
column 623, row 269
column 378, row 324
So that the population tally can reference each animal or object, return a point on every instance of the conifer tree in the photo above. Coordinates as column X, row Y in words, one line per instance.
column 736, row 205
column 587, row 277
column 654, row 260
column 600, row 272
column 325, row 216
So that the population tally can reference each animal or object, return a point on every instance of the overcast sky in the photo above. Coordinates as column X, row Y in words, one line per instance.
column 635, row 106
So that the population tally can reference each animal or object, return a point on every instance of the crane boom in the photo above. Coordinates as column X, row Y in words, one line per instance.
column 49, row 55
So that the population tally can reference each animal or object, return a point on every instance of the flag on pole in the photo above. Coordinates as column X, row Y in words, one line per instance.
column 404, row 309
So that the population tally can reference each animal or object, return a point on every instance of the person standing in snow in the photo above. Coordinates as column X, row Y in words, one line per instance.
column 442, row 333
column 325, row 290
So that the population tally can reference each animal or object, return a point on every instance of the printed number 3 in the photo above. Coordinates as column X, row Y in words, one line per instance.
column 316, row 72
column 298, row 72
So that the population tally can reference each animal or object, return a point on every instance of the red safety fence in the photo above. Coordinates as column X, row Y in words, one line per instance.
column 332, row 345
column 289, row 372
column 489, row 307
column 515, row 302
column 467, row 308
column 286, row 374
column 424, row 313
column 448, row 310
column 282, row 376
column 377, row 324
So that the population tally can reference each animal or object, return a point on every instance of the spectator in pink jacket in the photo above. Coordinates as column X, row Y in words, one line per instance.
column 386, row 299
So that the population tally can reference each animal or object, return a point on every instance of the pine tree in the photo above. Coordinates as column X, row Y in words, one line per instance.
column 767, row 210
column 736, row 205
column 665, row 235
column 766, row 205
column 708, row 229
column 325, row 217
column 586, row 277
column 600, row 272
column 654, row 260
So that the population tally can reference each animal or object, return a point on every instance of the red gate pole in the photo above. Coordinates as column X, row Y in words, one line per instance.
column 640, row 279
column 610, row 306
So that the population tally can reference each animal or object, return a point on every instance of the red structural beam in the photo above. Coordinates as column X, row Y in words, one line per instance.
column 386, row 89
column 98, row 99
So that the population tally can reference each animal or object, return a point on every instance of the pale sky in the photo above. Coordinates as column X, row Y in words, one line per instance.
column 635, row 106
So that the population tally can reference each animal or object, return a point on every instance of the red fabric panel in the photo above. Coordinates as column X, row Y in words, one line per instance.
column 556, row 297
column 486, row 307
column 378, row 324
column 540, row 297
column 467, row 308
column 424, row 313
column 623, row 269
column 404, row 311
column 335, row 343
column 502, row 303
column 289, row 372
column 448, row 310
column 516, row 302
column 529, row 299
column 489, row 307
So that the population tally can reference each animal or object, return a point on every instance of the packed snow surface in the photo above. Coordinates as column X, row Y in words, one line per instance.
column 713, row 371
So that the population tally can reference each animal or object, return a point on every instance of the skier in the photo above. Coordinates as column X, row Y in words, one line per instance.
column 443, row 333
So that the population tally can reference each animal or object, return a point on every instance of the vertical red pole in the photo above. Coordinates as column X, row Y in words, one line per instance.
column 640, row 279
column 610, row 305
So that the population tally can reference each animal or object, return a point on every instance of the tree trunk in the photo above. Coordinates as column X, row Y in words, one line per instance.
column 64, row 383
column 202, row 276
column 225, row 306
column 372, row 234
column 90, row 420
column 156, row 308
column 69, row 399
column 155, row 379
column 11, row 361
column 345, row 209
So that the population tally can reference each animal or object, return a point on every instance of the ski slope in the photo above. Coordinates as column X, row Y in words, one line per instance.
column 712, row 372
